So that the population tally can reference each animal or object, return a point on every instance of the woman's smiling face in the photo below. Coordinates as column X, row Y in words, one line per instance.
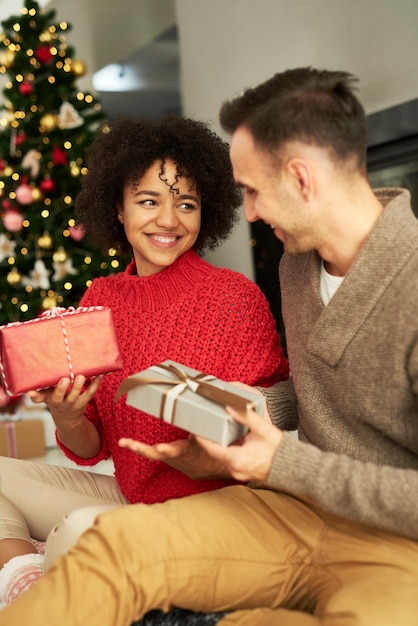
column 161, row 215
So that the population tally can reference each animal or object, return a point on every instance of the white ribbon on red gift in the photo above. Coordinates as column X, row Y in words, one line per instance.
column 56, row 311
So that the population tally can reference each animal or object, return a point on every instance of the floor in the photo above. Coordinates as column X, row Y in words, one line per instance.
column 54, row 455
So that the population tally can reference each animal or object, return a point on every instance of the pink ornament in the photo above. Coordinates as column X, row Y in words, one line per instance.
column 77, row 232
column 13, row 221
column 24, row 194
column 25, row 88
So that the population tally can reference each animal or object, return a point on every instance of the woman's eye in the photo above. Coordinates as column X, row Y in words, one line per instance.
column 148, row 202
column 186, row 206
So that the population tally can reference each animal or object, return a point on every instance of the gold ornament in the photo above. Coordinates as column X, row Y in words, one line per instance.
column 60, row 256
column 48, row 122
column 45, row 241
column 14, row 277
column 6, row 58
column 36, row 194
column 45, row 36
column 7, row 117
column 49, row 303
column 78, row 68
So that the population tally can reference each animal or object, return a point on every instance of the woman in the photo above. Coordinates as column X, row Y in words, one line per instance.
column 163, row 191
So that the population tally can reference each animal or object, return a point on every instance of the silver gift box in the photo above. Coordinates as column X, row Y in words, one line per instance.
column 190, row 400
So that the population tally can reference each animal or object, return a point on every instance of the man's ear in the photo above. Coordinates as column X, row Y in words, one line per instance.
column 301, row 176
column 120, row 212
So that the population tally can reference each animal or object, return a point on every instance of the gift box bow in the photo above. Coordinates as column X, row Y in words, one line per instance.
column 200, row 384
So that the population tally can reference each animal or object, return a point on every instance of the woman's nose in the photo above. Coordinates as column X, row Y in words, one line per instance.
column 167, row 216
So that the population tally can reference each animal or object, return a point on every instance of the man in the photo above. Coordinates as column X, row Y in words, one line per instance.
column 327, row 533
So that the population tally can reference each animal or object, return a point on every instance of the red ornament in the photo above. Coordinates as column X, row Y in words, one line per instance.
column 13, row 221
column 47, row 185
column 43, row 54
column 77, row 232
column 59, row 156
column 25, row 88
column 20, row 138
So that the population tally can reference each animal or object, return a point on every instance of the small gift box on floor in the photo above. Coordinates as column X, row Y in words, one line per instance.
column 22, row 439
column 60, row 343
column 190, row 400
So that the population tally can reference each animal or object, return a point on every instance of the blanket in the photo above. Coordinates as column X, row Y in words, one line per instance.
column 179, row 617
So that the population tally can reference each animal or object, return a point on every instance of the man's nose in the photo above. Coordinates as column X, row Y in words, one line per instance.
column 249, row 210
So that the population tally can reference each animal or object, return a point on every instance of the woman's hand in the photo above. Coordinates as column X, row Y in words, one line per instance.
column 249, row 458
column 67, row 404
column 185, row 455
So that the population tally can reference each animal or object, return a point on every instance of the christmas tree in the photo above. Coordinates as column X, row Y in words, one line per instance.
column 46, row 125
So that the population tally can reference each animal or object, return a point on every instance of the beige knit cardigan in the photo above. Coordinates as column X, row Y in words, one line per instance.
column 353, row 389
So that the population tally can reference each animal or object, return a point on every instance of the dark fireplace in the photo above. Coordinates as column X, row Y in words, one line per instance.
column 392, row 156
column 392, row 161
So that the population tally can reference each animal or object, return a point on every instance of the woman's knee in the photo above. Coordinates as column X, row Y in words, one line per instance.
column 67, row 532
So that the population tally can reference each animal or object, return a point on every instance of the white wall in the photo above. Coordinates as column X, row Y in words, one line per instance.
column 227, row 45
column 106, row 31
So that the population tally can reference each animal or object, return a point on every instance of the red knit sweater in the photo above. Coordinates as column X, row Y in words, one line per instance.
column 214, row 320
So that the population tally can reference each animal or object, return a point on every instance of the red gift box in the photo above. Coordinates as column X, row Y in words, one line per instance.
column 61, row 342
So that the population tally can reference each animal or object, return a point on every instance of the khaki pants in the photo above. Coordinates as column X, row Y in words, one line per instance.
column 267, row 556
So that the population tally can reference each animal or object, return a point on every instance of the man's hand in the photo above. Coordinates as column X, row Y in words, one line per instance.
column 249, row 458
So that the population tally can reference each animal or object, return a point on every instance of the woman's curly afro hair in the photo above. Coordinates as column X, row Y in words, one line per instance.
column 121, row 154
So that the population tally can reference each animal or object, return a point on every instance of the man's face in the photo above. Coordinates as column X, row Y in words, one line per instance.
column 270, row 193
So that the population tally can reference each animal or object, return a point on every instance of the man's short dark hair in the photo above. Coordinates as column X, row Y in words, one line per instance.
column 316, row 107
